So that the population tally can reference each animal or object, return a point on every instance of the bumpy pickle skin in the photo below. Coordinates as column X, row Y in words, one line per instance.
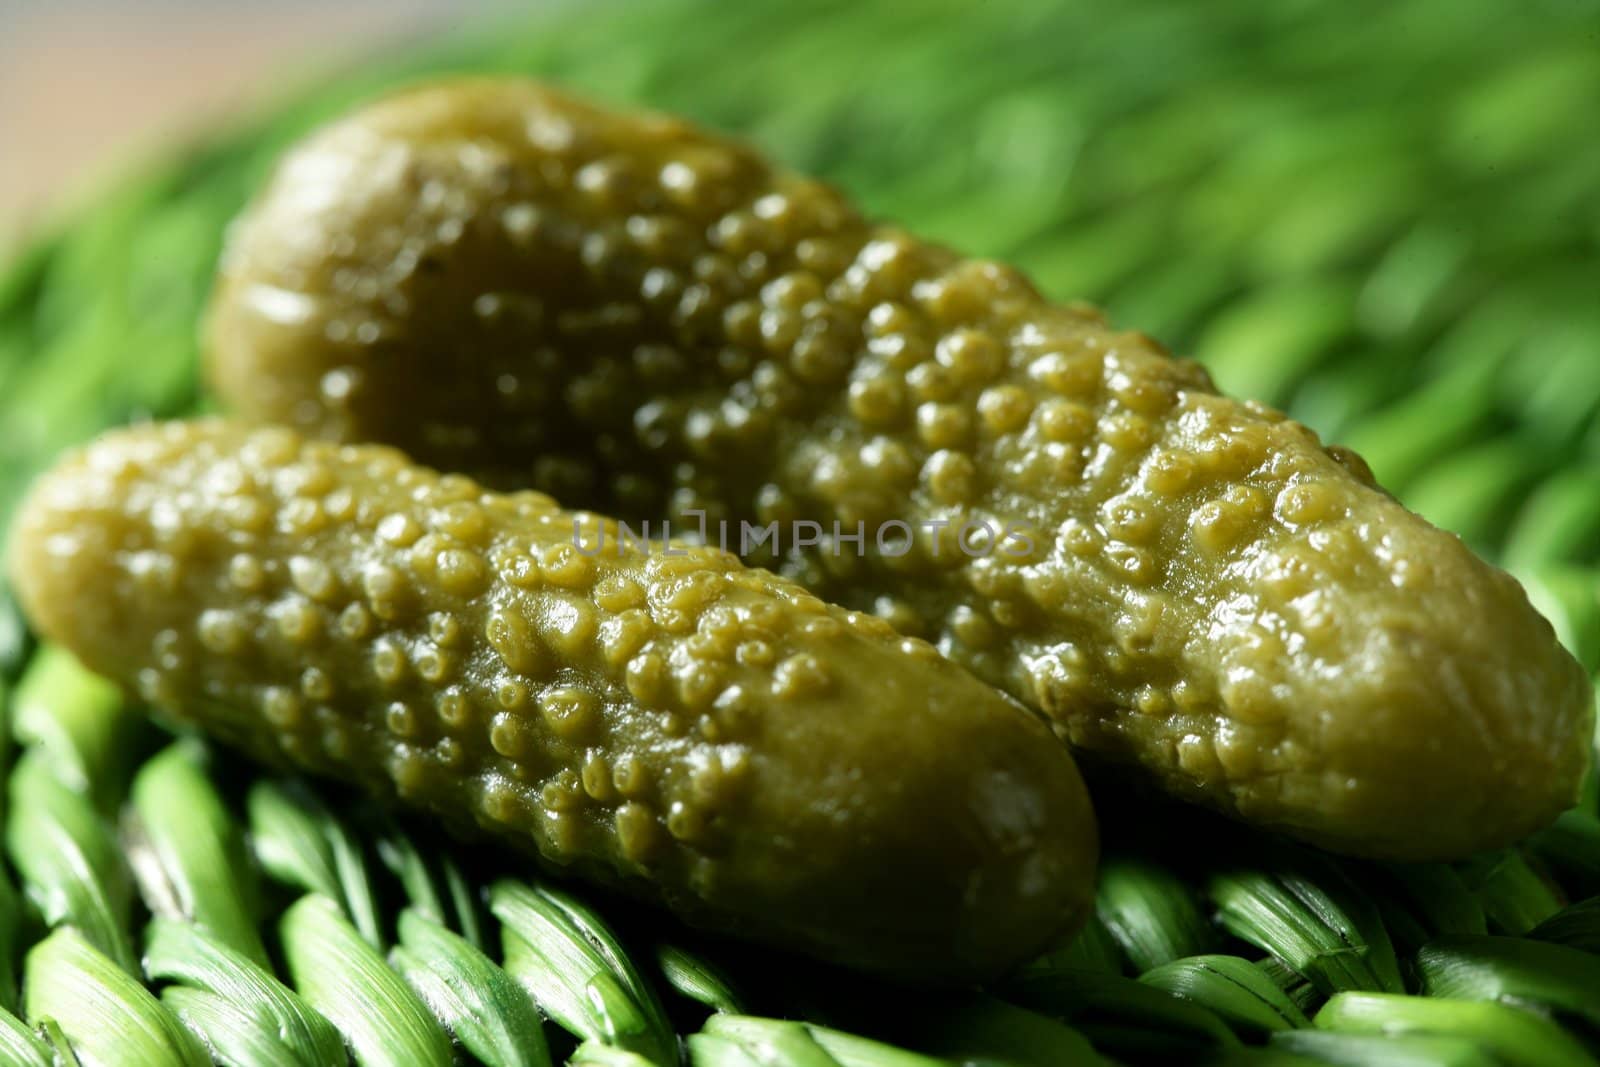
column 654, row 320
column 681, row 726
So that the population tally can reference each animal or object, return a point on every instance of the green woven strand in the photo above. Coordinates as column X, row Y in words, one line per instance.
column 577, row 970
column 1385, row 1050
column 20, row 1046
column 186, row 851
column 694, row 976
column 77, row 721
column 1151, row 913
column 1119, row 1014
column 1514, row 1037
column 1514, row 897
column 1577, row 925
column 1240, row 992
column 101, row 1009
column 300, row 842
column 1304, row 911
column 67, row 859
column 236, row 1006
column 341, row 975
column 1544, row 977
column 487, row 1011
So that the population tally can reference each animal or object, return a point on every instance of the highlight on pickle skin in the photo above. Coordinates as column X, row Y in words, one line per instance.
column 689, row 729
column 652, row 319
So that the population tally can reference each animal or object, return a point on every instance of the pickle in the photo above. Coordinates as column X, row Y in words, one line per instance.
column 667, row 721
column 652, row 320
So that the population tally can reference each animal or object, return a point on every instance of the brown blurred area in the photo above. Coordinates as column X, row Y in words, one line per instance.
column 86, row 85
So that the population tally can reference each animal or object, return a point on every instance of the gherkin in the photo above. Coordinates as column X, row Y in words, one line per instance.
column 669, row 721
column 647, row 318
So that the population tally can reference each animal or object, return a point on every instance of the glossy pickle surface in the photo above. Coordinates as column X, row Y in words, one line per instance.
column 676, row 724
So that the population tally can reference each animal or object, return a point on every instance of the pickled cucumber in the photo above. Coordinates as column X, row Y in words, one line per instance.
column 650, row 319
column 666, row 720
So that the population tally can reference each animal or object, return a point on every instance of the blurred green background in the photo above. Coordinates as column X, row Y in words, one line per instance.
column 1382, row 216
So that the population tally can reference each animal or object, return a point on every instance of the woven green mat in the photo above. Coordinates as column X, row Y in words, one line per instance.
column 1384, row 216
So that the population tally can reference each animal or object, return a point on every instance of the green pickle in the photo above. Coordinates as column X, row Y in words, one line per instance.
column 667, row 720
column 644, row 317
